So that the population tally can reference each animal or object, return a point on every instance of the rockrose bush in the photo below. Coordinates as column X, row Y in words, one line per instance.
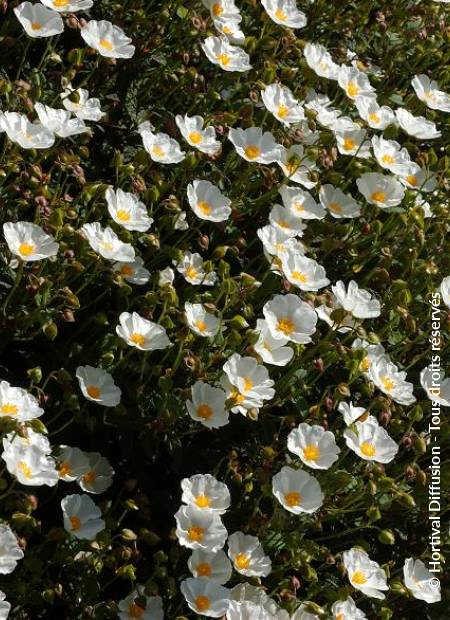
column 224, row 309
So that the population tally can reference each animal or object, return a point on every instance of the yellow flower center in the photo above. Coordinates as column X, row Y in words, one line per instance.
column 191, row 272
column 368, row 449
column 227, row 30
column 202, row 603
column 9, row 409
column 196, row 533
column 335, row 207
column 281, row 15
column 412, row 180
column 378, row 196
column 293, row 498
column 286, row 326
column 242, row 561
column 93, row 391
column 217, row 9
column 36, row 26
column 365, row 364
column 298, row 206
column 388, row 159
column 280, row 247
column 108, row 247
column 137, row 338
column 224, row 59
column 430, row 95
column 203, row 570
column 387, row 383
column 158, row 151
column 107, row 45
column 195, row 137
column 373, row 116
column 26, row 249
column 252, row 151
column 348, row 144
column 311, row 452
column 292, row 167
column 237, row 396
column 64, row 469
column 202, row 501
column 204, row 207
column 27, row 472
column 299, row 276
column 123, row 215
column 248, row 384
column 205, row 412
column 60, row 3
column 89, row 477
column 126, row 270
column 282, row 111
column 352, row 89
column 75, row 523
column 200, row 325
column 359, row 578
column 135, row 611
column 340, row 616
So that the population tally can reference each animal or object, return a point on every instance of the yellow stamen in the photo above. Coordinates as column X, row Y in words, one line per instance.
column 60, row 3
column 368, row 449
column 93, row 391
column 352, row 89
column 282, row 111
column 335, row 207
column 217, row 9
column 299, row 276
column 27, row 471
column 202, row 501
column 203, row 570
column 202, row 603
column 89, row 477
column 281, row 15
column 204, row 207
column 123, row 215
column 135, row 611
column 9, row 409
column 126, row 270
column 158, row 151
column 359, row 578
column 286, row 326
column 137, row 338
column 242, row 561
column 252, row 151
column 378, row 196
column 387, row 383
column 205, row 412
column 36, row 26
column 374, row 118
column 195, row 137
column 348, row 144
column 224, row 59
column 248, row 384
column 200, row 325
column 26, row 249
column 412, row 180
column 64, row 469
column 293, row 499
column 388, row 159
column 196, row 533
column 106, row 45
column 311, row 452
column 191, row 272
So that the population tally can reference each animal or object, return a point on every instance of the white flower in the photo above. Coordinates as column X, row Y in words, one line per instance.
column 208, row 202
column 285, row 13
column 201, row 322
column 377, row 117
column 246, row 597
column 380, row 189
column 354, row 82
column 5, row 607
column 205, row 596
column 59, row 121
column 205, row 492
column 98, row 385
column 250, row 384
column 231, row 29
column 99, row 474
column 419, row 178
column 17, row 403
column 131, row 608
column 200, row 529
column 246, row 610
column 277, row 243
column 315, row 446
column 225, row 9
column 68, row 6
column 301, row 203
column 28, row 241
column 272, row 350
column 254, row 145
column 166, row 277
column 191, row 267
column 320, row 61
column 81, row 517
column 247, row 555
column 180, row 221
column 316, row 101
column 417, row 126
column 343, row 325
column 141, row 333
column 127, row 210
column 357, row 301
column 15, row 443
column 215, row 566
column 371, row 441
column 303, row 272
column 288, row 317
column 105, row 242
column 428, row 91
column 284, row 219
column 372, row 353
column 444, row 290
column 38, row 21
column 203, row 139
column 161, row 147
column 208, row 405
column 296, row 165
column 228, row 57
column 10, row 552
column 340, row 205
column 29, row 464
column 72, row 463
column 435, row 384
column 83, row 107
column 347, row 610
column 280, row 101
column 350, row 412
column 390, row 155
column 302, row 613
column 353, row 142
column 27, row 135
column 391, row 381
column 305, row 134
column 418, row 580
column 297, row 491
column 133, row 272
column 364, row 574
column 109, row 40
